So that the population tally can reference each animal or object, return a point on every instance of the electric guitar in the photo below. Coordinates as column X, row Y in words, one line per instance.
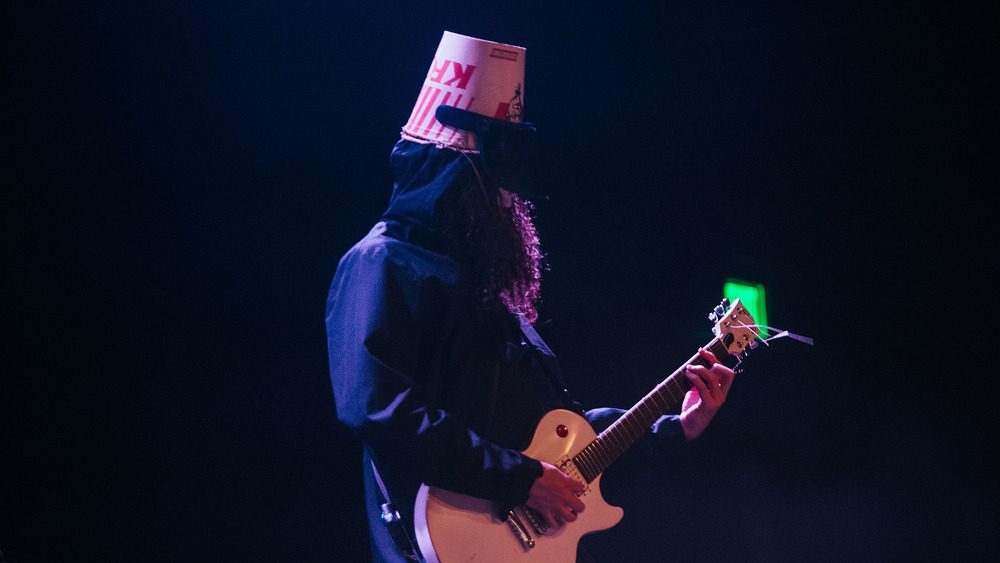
column 453, row 528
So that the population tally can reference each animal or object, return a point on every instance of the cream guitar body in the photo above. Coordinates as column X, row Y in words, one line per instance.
column 452, row 527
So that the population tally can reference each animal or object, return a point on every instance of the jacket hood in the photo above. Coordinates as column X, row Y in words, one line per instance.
column 424, row 173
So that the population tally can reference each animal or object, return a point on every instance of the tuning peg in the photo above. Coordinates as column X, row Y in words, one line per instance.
column 719, row 311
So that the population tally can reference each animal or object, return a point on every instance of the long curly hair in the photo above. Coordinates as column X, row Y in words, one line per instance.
column 497, row 245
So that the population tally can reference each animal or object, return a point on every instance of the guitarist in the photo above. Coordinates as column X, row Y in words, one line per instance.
column 429, row 361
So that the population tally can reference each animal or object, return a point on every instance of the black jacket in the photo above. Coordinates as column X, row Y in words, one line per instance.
column 439, row 390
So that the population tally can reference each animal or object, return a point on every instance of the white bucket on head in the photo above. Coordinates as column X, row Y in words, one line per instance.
column 480, row 76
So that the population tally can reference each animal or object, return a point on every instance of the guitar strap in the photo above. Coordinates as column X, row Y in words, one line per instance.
column 549, row 365
column 394, row 523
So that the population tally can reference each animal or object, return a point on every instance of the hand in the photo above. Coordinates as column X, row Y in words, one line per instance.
column 711, row 385
column 554, row 496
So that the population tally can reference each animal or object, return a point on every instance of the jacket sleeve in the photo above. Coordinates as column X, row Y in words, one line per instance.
column 375, row 343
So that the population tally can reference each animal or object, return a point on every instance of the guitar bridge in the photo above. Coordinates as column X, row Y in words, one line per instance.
column 520, row 532
column 535, row 519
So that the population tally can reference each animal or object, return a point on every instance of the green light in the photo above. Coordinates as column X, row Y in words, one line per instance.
column 751, row 294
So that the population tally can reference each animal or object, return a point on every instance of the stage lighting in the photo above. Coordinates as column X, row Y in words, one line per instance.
column 751, row 294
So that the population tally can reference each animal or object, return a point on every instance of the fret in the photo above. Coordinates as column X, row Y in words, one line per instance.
column 584, row 466
column 658, row 399
column 602, row 457
column 605, row 449
column 614, row 443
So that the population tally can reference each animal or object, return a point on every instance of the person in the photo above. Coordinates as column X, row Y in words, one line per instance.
column 433, row 361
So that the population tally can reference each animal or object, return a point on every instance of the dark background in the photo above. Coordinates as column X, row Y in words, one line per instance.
column 180, row 179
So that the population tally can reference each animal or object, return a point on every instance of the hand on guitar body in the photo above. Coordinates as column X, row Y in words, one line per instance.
column 554, row 496
column 711, row 385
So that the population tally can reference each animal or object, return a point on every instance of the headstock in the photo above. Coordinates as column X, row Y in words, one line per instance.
column 734, row 327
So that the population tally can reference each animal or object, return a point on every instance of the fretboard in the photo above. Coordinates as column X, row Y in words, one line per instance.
column 605, row 449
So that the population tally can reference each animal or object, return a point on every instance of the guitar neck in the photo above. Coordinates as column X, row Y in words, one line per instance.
column 605, row 449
